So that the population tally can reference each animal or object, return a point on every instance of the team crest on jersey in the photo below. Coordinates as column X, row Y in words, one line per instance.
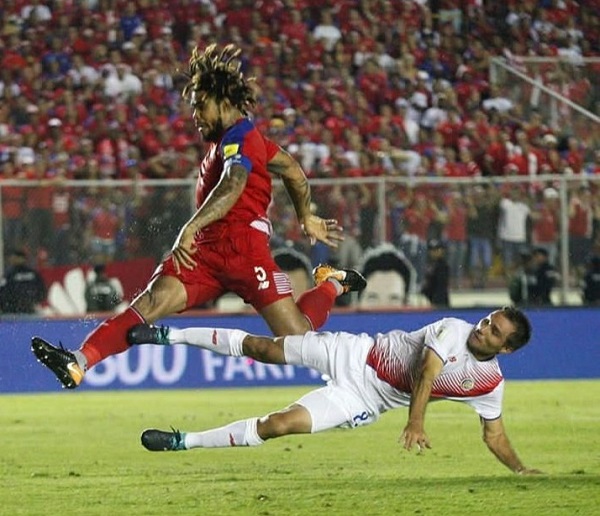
column 230, row 150
column 467, row 384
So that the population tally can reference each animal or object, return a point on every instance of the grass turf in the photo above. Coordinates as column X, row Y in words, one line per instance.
column 79, row 453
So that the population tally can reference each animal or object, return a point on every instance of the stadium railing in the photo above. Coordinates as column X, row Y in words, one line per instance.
column 73, row 227
column 563, row 90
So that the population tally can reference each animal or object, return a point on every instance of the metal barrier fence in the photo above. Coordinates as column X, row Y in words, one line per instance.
column 556, row 94
column 85, row 222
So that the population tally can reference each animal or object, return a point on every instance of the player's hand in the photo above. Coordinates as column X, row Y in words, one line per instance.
column 327, row 231
column 183, row 249
column 414, row 435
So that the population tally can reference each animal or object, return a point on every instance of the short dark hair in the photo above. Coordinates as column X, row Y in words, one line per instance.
column 522, row 334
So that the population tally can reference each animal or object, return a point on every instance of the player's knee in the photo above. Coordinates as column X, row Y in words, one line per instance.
column 293, row 420
column 263, row 349
column 275, row 425
column 154, row 304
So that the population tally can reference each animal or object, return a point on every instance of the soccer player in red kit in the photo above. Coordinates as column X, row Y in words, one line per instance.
column 224, row 246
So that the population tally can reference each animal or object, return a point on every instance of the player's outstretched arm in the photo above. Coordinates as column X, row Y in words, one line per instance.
column 498, row 443
column 215, row 207
column 414, row 431
column 315, row 228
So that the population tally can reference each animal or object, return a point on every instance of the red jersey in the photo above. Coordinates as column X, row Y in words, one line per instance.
column 242, row 144
column 418, row 221
column 545, row 228
column 456, row 228
column 580, row 224
column 12, row 201
column 105, row 224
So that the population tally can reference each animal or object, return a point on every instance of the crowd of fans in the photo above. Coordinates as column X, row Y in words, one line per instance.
column 354, row 88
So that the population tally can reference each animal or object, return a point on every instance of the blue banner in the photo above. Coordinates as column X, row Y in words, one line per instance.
column 565, row 344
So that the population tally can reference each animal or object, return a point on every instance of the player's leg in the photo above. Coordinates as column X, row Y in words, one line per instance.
column 254, row 275
column 247, row 432
column 314, row 350
column 285, row 316
column 224, row 341
column 168, row 291
column 164, row 295
column 319, row 410
column 288, row 317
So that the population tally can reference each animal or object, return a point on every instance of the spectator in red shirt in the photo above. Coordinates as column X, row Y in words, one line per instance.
column 417, row 218
column 104, row 225
column 595, row 166
column 338, row 121
column 455, row 232
column 496, row 153
column 372, row 81
column 295, row 28
column 40, row 231
column 466, row 163
column 545, row 224
column 13, row 199
column 450, row 167
column 573, row 155
column 581, row 216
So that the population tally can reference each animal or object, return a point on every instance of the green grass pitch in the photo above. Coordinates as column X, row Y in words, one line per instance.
column 74, row 453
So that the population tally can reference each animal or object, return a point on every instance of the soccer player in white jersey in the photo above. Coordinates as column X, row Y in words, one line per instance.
column 449, row 359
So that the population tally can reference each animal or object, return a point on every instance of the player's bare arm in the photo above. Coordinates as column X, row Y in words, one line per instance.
column 498, row 443
column 414, row 431
column 215, row 207
column 289, row 170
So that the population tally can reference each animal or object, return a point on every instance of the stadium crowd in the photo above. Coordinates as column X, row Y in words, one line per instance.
column 353, row 88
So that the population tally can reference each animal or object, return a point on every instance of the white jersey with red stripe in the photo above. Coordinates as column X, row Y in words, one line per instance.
column 396, row 357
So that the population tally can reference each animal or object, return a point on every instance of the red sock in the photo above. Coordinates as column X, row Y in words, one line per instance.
column 317, row 302
column 110, row 337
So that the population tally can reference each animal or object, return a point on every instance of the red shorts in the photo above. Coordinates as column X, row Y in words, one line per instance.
column 239, row 262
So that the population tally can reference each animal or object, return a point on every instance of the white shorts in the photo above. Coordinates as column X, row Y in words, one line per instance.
column 347, row 401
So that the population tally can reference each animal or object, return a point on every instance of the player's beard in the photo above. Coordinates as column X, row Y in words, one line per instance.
column 215, row 132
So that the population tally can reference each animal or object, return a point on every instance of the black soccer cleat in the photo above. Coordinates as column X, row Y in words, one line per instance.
column 350, row 279
column 148, row 334
column 59, row 360
column 157, row 440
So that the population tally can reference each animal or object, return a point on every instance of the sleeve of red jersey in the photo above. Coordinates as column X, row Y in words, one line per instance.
column 272, row 149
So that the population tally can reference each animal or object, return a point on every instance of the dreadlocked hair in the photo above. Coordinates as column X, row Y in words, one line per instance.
column 217, row 72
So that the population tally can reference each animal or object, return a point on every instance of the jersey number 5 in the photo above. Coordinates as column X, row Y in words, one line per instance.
column 261, row 276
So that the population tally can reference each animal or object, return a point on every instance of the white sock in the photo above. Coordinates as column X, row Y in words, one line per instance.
column 220, row 340
column 240, row 433
column 81, row 360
